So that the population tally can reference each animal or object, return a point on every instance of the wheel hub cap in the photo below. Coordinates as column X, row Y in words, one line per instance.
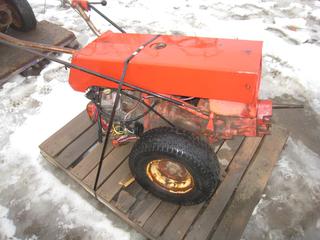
column 170, row 175
column 5, row 16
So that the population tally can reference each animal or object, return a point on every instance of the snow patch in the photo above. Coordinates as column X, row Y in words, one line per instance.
column 7, row 227
column 316, row 13
column 292, row 195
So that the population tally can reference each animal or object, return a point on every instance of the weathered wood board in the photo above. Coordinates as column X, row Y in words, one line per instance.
column 14, row 61
column 246, row 165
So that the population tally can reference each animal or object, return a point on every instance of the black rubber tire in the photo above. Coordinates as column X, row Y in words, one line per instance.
column 26, row 15
column 183, row 147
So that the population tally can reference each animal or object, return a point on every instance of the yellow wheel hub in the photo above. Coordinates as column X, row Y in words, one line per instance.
column 170, row 175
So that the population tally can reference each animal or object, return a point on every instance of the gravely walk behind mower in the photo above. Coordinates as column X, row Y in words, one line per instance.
column 173, row 96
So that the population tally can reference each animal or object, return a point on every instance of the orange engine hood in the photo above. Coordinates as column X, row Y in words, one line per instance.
column 224, row 69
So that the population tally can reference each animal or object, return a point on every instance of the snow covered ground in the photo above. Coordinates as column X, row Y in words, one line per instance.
column 39, row 202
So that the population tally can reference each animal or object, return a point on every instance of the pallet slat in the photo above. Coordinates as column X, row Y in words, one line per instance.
column 144, row 209
column 66, row 135
column 114, row 159
column 251, row 187
column 227, row 151
column 125, row 201
column 160, row 218
column 112, row 186
column 202, row 227
column 134, row 189
column 181, row 222
column 78, row 147
column 89, row 162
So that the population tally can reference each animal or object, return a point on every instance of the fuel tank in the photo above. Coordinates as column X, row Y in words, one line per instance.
column 213, row 68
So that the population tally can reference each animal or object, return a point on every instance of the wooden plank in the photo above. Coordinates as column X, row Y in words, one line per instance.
column 251, row 187
column 89, row 162
column 111, row 187
column 13, row 61
column 66, row 135
column 228, row 150
column 109, row 165
column 216, row 146
column 125, row 218
column 182, row 221
column 144, row 209
column 125, row 201
column 136, row 192
column 78, row 147
column 203, row 225
column 160, row 218
column 134, row 189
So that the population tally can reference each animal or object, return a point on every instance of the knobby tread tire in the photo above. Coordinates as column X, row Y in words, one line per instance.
column 185, row 148
column 26, row 14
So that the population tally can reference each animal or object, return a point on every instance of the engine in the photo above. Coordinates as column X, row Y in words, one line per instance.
column 139, row 113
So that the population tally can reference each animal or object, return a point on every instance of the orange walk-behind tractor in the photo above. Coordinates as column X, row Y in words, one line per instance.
column 208, row 90
column 173, row 96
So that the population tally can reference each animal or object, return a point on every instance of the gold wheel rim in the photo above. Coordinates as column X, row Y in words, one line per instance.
column 170, row 176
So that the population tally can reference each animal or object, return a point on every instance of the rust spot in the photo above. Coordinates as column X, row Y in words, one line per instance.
column 248, row 51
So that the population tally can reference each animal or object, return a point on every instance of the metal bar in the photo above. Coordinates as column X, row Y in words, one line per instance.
column 286, row 106
column 171, row 99
column 39, row 46
column 94, row 73
column 103, row 3
column 85, row 17
column 116, row 102
column 106, row 18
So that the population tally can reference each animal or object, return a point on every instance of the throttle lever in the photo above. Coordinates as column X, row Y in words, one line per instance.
column 85, row 4
column 103, row 3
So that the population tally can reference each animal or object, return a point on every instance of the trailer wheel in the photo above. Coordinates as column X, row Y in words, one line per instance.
column 175, row 165
column 23, row 18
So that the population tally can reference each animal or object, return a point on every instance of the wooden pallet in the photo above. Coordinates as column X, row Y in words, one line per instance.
column 14, row 61
column 246, row 167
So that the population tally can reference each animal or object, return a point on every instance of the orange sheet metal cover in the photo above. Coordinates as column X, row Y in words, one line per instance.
column 215, row 68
